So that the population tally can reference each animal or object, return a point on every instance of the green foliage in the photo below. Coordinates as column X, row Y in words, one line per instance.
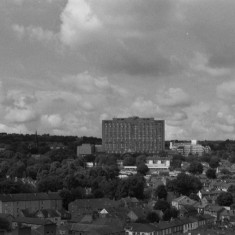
column 195, row 168
column 225, row 199
column 161, row 192
column 140, row 160
column 162, row 205
column 184, row 184
column 60, row 155
column 176, row 161
column 142, row 169
column 170, row 213
column 211, row 173
column 225, row 171
column 10, row 186
column 5, row 224
column 194, row 197
column 231, row 189
column 129, row 161
column 214, row 162
column 132, row 186
column 232, row 157
column 152, row 217
column 50, row 184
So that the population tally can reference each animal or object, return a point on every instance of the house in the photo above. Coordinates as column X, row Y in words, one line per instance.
column 49, row 214
column 172, row 227
column 214, row 210
column 138, row 228
column 81, row 207
column 41, row 226
column 94, row 229
column 227, row 215
column 182, row 201
column 137, row 213
column 187, row 211
column 130, row 201
column 14, row 203
column 158, row 163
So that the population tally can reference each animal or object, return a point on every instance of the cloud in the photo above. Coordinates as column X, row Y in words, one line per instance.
column 226, row 90
column 20, row 115
column 173, row 97
column 77, row 19
column 34, row 33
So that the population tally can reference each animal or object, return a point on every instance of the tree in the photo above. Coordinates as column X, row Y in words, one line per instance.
column 67, row 197
column 211, row 173
column 225, row 171
column 161, row 192
column 184, row 184
column 51, row 183
column 141, row 159
column 225, row 199
column 232, row 157
column 5, row 224
column 162, row 205
column 129, row 161
column 152, row 217
column 170, row 213
column 142, row 169
column 214, row 162
column 133, row 186
column 195, row 168
column 194, row 197
column 231, row 189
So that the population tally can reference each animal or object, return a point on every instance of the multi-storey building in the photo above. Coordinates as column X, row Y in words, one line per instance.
column 133, row 134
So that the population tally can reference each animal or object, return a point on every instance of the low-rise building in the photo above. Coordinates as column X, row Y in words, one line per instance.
column 14, row 203
column 85, row 149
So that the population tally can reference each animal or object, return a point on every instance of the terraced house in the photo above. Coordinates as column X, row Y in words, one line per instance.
column 13, row 203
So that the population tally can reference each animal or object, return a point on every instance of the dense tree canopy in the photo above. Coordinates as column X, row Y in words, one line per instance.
column 142, row 169
column 195, row 167
column 184, row 184
column 162, row 205
column 211, row 173
column 161, row 192
column 225, row 199
column 214, row 162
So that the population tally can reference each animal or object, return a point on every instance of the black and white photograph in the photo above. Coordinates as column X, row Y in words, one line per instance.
column 117, row 117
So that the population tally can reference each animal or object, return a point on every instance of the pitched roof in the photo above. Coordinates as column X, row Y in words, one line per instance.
column 36, row 221
column 138, row 227
column 99, row 203
column 29, row 197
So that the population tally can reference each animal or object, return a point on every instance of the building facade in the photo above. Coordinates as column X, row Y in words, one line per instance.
column 85, row 149
column 13, row 203
column 186, row 148
column 133, row 134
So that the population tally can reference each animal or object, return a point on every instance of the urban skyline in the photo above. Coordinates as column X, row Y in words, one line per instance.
column 66, row 65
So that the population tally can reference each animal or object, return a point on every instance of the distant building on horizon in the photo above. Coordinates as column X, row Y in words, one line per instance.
column 186, row 148
column 133, row 134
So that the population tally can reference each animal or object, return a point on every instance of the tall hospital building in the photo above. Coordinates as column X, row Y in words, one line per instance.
column 133, row 134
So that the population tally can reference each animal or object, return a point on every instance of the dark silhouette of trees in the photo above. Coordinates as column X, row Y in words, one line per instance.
column 195, row 168
column 162, row 205
column 184, row 184
column 214, row 162
column 142, row 169
column 225, row 199
column 161, row 192
column 211, row 173
column 152, row 217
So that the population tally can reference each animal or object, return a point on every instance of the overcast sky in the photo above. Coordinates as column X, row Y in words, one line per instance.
column 67, row 64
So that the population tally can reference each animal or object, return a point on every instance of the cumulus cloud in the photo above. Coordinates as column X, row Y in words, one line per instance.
column 77, row 18
column 226, row 90
column 173, row 97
